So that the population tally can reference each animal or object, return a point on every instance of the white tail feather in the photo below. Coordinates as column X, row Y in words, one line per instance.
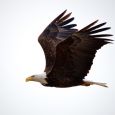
column 88, row 83
column 101, row 84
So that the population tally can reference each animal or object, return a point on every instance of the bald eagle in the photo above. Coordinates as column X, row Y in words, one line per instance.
column 69, row 52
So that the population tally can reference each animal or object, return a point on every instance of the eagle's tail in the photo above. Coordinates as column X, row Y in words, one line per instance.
column 88, row 83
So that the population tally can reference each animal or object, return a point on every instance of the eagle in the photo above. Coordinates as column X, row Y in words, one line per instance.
column 69, row 52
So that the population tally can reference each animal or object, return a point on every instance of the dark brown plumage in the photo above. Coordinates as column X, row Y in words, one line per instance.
column 70, row 52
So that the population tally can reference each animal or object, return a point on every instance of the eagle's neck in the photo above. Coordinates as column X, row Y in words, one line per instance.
column 41, row 78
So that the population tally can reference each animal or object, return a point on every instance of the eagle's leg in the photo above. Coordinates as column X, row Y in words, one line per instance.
column 88, row 83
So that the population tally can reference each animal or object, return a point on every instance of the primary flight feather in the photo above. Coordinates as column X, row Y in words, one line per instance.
column 69, row 52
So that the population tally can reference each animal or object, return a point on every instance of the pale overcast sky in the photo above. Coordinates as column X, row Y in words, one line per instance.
column 21, row 22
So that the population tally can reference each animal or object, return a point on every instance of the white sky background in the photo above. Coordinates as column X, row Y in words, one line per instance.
column 21, row 22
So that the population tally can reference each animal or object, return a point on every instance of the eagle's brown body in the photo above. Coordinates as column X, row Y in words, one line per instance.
column 70, row 52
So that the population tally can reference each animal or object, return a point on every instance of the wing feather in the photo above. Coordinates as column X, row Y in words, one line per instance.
column 99, row 30
column 74, row 56
column 89, row 26
column 95, row 27
column 55, row 32
column 66, row 22
column 64, row 18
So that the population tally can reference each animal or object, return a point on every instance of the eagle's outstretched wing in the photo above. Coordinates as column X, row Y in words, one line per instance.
column 57, row 31
column 74, row 56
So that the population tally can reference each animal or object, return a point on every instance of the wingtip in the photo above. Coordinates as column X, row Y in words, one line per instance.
column 70, row 14
column 59, row 16
column 105, row 22
column 97, row 20
column 89, row 26
column 65, row 10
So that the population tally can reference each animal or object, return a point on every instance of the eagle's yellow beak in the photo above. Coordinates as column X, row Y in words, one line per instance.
column 28, row 79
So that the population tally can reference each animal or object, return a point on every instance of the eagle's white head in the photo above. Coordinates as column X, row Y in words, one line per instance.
column 38, row 78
